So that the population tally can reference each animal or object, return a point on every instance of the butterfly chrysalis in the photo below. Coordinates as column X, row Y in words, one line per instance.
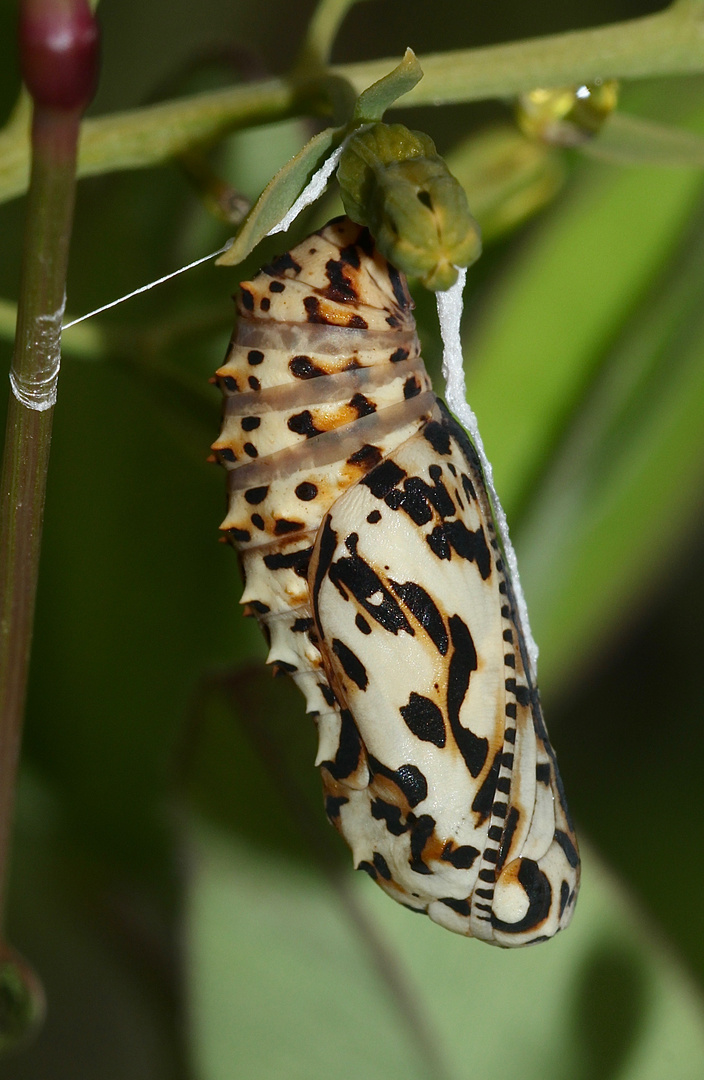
column 371, row 560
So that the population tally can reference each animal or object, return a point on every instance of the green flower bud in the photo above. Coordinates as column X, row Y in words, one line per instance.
column 566, row 115
column 394, row 181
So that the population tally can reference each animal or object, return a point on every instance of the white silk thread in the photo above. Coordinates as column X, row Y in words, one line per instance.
column 38, row 390
column 450, row 306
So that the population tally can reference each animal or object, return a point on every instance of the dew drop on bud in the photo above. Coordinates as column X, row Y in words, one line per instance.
column 567, row 115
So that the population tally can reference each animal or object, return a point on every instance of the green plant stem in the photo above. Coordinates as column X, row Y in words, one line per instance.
column 149, row 136
column 668, row 43
column 322, row 31
column 28, row 434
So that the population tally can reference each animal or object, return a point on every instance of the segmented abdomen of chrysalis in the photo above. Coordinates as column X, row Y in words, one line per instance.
column 367, row 542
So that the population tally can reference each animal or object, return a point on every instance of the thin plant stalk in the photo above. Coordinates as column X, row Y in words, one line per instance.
column 58, row 40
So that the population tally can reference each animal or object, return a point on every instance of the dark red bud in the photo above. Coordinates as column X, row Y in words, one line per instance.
column 59, row 52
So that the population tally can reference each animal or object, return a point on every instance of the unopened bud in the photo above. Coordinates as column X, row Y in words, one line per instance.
column 506, row 176
column 59, row 52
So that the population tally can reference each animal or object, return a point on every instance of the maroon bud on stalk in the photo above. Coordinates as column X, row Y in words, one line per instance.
column 59, row 52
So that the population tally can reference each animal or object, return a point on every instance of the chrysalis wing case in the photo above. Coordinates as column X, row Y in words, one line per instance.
column 371, row 561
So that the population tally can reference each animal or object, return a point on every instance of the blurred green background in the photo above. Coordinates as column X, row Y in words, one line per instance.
column 174, row 881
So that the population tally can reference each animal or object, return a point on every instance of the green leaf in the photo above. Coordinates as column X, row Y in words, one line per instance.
column 286, row 980
column 638, row 432
column 280, row 194
column 559, row 306
column 380, row 96
column 631, row 140
column 589, row 388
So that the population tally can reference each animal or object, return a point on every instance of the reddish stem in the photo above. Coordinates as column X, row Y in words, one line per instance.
column 59, row 56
